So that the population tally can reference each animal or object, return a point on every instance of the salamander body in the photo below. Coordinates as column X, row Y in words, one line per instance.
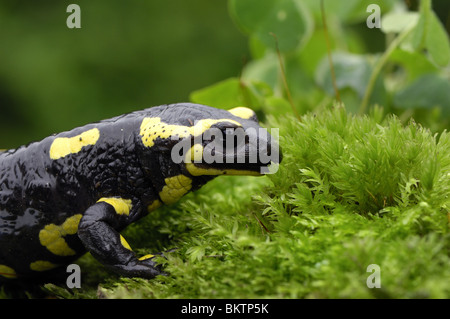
column 75, row 191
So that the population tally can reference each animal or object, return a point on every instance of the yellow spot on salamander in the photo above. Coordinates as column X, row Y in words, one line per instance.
column 242, row 112
column 52, row 236
column 124, row 243
column 7, row 272
column 42, row 265
column 121, row 206
column 152, row 128
column 176, row 187
column 63, row 146
column 147, row 257
column 154, row 205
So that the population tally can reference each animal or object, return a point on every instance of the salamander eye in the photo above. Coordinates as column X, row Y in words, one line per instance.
column 229, row 131
column 221, row 131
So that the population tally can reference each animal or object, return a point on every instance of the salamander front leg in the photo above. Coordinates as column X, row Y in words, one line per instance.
column 97, row 232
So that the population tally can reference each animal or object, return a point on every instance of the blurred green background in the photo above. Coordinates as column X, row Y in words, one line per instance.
column 128, row 55
column 136, row 54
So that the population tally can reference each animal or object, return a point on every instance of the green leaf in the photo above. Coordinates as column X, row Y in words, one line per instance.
column 277, row 105
column 289, row 20
column 257, row 48
column 414, row 63
column 353, row 11
column 352, row 77
column 225, row 94
column 427, row 92
column 416, row 39
column 396, row 22
column 437, row 42
column 232, row 92
column 352, row 71
column 265, row 70
column 430, row 34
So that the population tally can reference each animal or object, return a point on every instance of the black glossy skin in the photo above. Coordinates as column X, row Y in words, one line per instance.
column 36, row 191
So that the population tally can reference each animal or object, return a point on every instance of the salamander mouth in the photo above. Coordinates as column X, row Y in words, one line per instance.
column 232, row 169
column 207, row 160
column 228, row 152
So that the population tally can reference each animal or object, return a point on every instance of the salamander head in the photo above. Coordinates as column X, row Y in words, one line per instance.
column 202, row 140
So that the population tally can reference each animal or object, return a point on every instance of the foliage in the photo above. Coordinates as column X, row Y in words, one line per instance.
column 410, row 78
column 363, row 184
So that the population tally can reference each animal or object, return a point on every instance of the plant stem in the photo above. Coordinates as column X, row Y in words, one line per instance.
column 378, row 67
column 330, row 60
column 283, row 76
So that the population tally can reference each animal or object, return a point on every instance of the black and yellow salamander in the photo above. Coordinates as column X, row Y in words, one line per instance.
column 75, row 191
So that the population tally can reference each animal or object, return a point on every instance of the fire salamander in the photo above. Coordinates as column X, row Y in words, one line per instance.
column 75, row 191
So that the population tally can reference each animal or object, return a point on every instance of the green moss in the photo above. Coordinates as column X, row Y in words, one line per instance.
column 351, row 192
